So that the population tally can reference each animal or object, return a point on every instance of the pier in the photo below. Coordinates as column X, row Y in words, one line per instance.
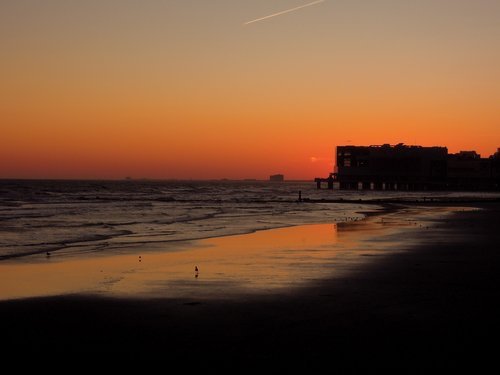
column 411, row 168
column 329, row 181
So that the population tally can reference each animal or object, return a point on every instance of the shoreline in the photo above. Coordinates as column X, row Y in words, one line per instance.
column 432, row 305
column 383, row 206
column 65, row 247
column 273, row 260
column 426, row 201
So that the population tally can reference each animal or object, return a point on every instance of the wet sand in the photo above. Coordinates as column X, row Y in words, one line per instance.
column 432, row 305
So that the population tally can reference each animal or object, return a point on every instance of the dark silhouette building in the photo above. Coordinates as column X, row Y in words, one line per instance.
column 403, row 167
column 277, row 178
column 468, row 171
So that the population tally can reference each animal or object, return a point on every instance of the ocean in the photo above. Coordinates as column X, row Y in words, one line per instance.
column 74, row 217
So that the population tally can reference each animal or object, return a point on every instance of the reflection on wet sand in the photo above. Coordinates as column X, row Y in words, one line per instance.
column 262, row 262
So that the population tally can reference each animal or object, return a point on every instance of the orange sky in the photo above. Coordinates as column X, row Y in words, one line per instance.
column 182, row 89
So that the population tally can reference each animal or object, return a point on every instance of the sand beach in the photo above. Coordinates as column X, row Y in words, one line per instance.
column 429, row 301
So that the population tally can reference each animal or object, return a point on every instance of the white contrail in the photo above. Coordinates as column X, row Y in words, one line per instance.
column 283, row 12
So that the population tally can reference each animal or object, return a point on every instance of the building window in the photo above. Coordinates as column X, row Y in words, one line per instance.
column 347, row 162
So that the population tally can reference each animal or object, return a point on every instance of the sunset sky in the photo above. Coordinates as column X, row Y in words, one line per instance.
column 184, row 89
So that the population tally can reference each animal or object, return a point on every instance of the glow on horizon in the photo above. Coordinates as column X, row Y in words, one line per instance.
column 179, row 89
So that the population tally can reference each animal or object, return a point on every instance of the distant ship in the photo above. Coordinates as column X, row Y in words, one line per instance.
column 277, row 178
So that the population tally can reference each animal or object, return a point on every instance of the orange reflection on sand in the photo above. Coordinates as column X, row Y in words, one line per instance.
column 256, row 262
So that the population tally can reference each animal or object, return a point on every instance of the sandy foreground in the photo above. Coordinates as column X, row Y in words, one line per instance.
column 428, row 302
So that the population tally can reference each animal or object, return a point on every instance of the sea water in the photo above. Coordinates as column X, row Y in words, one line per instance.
column 75, row 217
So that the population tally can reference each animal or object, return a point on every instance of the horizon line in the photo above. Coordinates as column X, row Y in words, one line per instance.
column 148, row 179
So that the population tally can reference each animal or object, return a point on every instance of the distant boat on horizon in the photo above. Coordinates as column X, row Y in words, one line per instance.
column 277, row 178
